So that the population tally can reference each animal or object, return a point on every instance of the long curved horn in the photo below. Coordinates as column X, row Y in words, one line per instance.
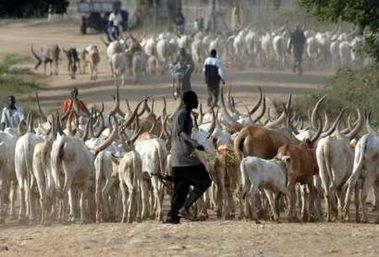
column 30, row 122
column 289, row 103
column 315, row 109
column 109, row 139
column 256, row 106
column 213, row 125
column 134, row 114
column 86, row 130
column 319, row 129
column 43, row 116
column 117, row 109
column 154, row 125
column 128, row 106
column 354, row 132
column 263, row 110
column 59, row 126
column 230, row 101
column 101, row 127
column 369, row 128
column 326, row 122
column 278, row 121
column 164, row 110
column 229, row 119
column 334, row 125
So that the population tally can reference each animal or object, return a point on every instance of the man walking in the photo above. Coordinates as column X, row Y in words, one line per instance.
column 213, row 74
column 12, row 114
column 186, row 66
column 187, row 169
column 296, row 44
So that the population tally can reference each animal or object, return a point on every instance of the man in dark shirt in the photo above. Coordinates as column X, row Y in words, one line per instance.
column 213, row 74
column 187, row 169
column 296, row 44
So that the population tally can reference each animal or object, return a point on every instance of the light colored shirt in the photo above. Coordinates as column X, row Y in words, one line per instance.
column 115, row 18
column 11, row 118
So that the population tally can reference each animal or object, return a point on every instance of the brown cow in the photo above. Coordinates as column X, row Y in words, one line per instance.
column 226, row 177
column 302, row 165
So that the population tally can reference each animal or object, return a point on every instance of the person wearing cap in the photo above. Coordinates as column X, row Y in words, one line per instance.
column 185, row 66
column 213, row 75
column 69, row 103
column 187, row 169
column 296, row 44
column 12, row 114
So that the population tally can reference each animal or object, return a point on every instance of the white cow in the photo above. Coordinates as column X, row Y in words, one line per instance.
column 23, row 166
column 8, row 139
column 268, row 174
column 366, row 167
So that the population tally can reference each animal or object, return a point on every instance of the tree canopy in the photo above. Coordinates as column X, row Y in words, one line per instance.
column 31, row 8
column 362, row 13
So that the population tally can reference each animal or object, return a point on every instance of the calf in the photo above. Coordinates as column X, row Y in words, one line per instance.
column 269, row 174
column 73, row 61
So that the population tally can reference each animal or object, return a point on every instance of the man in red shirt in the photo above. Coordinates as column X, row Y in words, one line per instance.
column 79, row 108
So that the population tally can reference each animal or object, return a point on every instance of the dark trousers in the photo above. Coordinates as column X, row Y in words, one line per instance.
column 184, row 177
column 213, row 93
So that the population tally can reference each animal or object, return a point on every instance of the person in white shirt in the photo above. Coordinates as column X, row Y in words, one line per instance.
column 12, row 114
column 115, row 21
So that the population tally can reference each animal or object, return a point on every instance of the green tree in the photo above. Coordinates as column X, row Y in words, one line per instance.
column 31, row 8
column 364, row 14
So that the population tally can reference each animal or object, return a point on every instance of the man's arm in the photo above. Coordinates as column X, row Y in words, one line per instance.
column 220, row 72
column 21, row 113
column 184, row 121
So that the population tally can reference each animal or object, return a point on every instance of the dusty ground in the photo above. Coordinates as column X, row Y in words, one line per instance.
column 210, row 238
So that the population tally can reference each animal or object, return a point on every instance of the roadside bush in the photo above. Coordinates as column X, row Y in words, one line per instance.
column 16, row 81
column 348, row 88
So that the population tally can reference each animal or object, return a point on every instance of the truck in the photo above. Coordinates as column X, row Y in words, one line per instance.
column 95, row 15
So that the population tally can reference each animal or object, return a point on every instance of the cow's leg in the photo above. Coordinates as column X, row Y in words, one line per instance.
column 144, row 200
column 376, row 195
column 253, row 194
column 368, row 182
column 124, row 200
column 70, row 194
column 219, row 197
column 12, row 199
column 28, row 200
column 83, row 194
column 270, row 198
column 98, row 199
column 2, row 196
column 292, row 209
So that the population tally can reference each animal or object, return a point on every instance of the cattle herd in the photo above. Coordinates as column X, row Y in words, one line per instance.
column 109, row 166
column 247, row 48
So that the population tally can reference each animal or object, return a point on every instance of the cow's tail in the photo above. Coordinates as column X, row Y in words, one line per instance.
column 239, row 141
column 327, row 160
column 57, row 154
column 358, row 162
